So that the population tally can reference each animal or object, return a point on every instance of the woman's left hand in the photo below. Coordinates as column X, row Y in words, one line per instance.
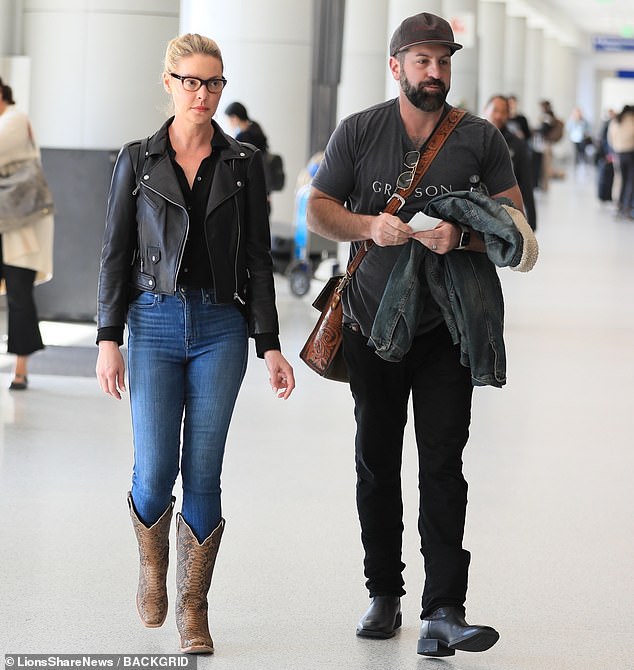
column 281, row 375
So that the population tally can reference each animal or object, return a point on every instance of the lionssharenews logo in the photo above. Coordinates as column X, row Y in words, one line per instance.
column 14, row 661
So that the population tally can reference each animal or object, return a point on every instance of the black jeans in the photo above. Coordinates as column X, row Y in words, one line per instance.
column 441, row 394
column 626, row 196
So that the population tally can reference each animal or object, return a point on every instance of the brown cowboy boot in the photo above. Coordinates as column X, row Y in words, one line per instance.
column 193, row 578
column 151, row 597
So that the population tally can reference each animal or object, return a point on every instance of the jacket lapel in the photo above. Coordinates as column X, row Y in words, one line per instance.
column 225, row 183
column 162, row 178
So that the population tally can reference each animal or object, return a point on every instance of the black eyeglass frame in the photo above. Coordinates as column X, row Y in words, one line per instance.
column 410, row 160
column 201, row 82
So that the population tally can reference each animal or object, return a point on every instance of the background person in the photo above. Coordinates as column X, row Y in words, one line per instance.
column 621, row 139
column 26, row 253
column 186, row 262
column 517, row 122
column 246, row 130
column 578, row 130
column 496, row 112
column 366, row 156
column 605, row 160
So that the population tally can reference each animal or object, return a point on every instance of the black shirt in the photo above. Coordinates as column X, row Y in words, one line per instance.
column 195, row 270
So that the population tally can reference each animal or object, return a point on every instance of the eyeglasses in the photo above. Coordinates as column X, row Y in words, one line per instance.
column 192, row 84
column 410, row 160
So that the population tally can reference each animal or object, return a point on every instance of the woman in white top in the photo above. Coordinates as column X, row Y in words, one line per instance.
column 26, row 253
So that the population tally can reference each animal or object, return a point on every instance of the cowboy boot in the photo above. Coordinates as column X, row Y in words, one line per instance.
column 193, row 578
column 151, row 597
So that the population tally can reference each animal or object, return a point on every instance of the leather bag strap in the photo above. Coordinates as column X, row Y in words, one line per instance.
column 140, row 162
column 400, row 195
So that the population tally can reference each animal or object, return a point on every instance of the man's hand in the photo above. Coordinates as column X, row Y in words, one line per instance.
column 387, row 230
column 442, row 239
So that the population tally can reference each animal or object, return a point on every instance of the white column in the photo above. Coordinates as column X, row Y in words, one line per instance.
column 267, row 51
column 6, row 28
column 15, row 68
column 397, row 11
column 533, row 91
column 550, row 74
column 491, row 30
column 364, row 57
column 15, row 71
column 571, row 95
column 515, row 57
column 462, row 14
column 559, row 75
column 95, row 70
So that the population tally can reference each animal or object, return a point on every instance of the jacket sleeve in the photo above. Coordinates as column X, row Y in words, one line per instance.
column 530, row 247
column 119, row 244
column 262, row 313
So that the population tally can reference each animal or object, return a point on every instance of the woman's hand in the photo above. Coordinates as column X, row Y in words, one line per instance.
column 281, row 375
column 110, row 369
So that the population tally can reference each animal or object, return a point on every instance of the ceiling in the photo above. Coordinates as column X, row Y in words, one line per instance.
column 578, row 20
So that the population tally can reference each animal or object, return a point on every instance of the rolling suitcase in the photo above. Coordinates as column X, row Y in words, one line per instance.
column 606, row 179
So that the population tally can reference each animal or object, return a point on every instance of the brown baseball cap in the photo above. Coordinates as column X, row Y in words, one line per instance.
column 422, row 29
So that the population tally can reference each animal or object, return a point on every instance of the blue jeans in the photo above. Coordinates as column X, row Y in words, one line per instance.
column 186, row 360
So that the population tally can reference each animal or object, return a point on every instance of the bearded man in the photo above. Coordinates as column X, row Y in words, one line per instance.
column 368, row 155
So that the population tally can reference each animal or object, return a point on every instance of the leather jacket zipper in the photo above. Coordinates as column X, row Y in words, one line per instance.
column 140, row 250
column 181, row 250
column 236, row 295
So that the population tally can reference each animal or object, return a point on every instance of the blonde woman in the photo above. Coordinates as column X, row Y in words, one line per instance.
column 186, row 263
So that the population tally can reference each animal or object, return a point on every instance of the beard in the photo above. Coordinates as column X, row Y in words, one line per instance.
column 426, row 102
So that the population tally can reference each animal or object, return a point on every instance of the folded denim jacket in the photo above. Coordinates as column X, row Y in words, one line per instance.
column 465, row 285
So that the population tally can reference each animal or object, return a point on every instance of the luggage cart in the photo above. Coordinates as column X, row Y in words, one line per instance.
column 309, row 249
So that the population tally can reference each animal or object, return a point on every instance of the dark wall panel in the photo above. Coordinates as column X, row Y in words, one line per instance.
column 79, row 180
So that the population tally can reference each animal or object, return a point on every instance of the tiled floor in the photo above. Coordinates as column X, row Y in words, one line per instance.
column 550, row 465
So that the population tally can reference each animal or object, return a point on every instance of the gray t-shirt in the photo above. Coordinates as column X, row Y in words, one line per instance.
column 361, row 165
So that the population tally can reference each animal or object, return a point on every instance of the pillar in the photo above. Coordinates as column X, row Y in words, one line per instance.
column 462, row 14
column 533, row 73
column 491, row 30
column 267, row 51
column 364, row 57
column 515, row 57
column 11, row 27
column 559, row 76
column 95, row 80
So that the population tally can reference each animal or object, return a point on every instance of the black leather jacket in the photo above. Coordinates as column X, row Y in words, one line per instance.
column 147, row 225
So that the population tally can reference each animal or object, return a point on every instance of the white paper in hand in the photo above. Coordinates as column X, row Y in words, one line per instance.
column 421, row 221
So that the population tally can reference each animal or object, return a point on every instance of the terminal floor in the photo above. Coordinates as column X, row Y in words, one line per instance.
column 550, row 464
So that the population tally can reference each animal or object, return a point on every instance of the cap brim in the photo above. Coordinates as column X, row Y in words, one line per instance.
column 454, row 46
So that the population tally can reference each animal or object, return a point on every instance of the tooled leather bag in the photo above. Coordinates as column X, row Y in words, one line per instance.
column 322, row 351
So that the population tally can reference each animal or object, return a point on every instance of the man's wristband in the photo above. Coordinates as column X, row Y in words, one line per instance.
column 465, row 237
